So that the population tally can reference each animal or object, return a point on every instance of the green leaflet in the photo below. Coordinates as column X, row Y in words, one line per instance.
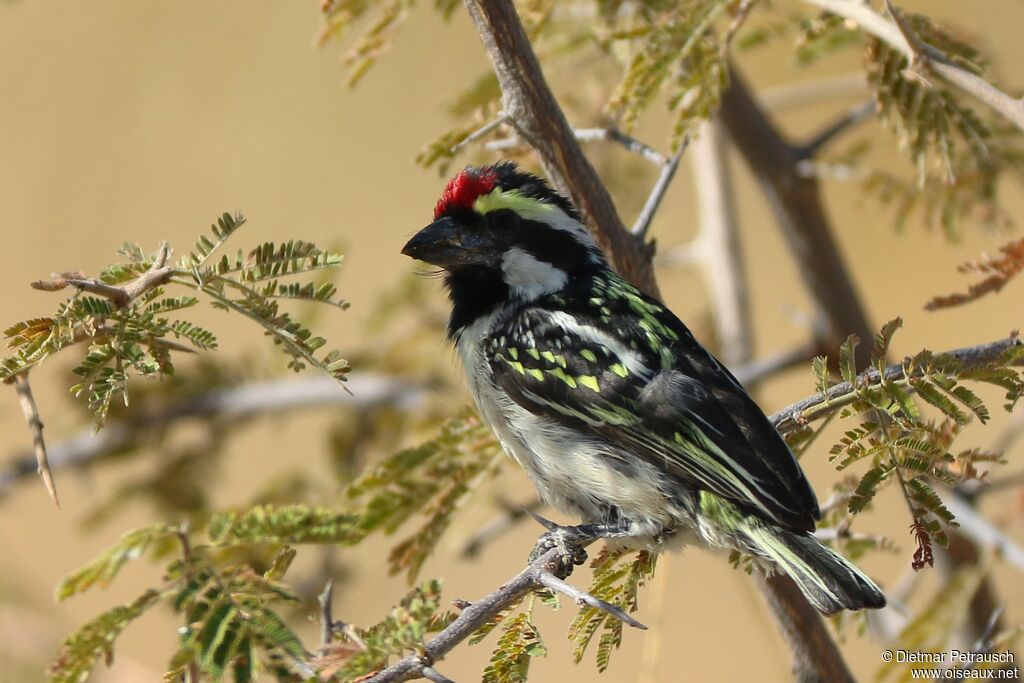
column 104, row 568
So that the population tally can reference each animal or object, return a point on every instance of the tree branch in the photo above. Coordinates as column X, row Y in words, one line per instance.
column 668, row 172
column 536, row 116
column 797, row 203
column 237, row 403
column 842, row 394
column 35, row 425
column 717, row 250
column 1010, row 108
column 157, row 274
column 537, row 574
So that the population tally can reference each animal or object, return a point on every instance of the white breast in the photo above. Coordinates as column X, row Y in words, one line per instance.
column 575, row 473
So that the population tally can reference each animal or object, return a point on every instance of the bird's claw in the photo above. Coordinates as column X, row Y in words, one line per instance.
column 569, row 542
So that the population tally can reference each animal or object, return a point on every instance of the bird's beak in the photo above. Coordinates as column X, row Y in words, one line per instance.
column 447, row 244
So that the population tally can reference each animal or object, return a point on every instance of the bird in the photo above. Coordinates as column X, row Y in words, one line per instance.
column 619, row 416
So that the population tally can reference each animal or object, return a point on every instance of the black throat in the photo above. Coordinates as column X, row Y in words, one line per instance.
column 475, row 292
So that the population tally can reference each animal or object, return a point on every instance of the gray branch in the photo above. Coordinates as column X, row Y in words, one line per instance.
column 538, row 574
column 236, row 403
column 890, row 32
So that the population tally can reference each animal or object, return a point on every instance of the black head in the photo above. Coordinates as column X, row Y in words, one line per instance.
column 503, row 236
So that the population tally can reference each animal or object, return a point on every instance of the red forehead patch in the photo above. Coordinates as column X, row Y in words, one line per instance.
column 464, row 189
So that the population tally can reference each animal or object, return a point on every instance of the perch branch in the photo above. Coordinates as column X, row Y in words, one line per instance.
column 537, row 118
column 537, row 574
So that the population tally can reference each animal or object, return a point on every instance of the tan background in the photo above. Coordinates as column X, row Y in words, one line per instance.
column 145, row 120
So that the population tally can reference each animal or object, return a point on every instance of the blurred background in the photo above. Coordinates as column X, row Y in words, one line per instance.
column 144, row 121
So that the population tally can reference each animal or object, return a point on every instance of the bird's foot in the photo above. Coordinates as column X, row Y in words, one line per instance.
column 571, row 542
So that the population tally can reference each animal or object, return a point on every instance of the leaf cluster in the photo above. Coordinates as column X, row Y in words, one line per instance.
column 899, row 443
column 432, row 479
column 618, row 576
column 126, row 319
column 231, row 610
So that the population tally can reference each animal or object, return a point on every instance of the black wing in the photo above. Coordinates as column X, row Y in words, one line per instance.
column 609, row 360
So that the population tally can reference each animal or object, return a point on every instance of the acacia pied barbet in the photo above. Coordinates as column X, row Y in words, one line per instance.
column 617, row 413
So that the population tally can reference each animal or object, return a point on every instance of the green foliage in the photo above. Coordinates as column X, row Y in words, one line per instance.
column 404, row 629
column 900, row 444
column 672, row 48
column 433, row 479
column 230, row 622
column 519, row 642
column 125, row 320
column 618, row 577
column 285, row 524
column 104, row 568
column 80, row 651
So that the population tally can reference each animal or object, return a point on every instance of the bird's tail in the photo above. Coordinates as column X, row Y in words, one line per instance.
column 827, row 580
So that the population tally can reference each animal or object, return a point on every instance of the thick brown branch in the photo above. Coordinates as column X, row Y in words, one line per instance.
column 796, row 201
column 534, row 113
column 816, row 657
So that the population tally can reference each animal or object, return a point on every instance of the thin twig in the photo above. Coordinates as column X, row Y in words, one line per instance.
column 35, row 425
column 480, row 132
column 821, row 404
column 761, row 369
column 890, row 32
column 851, row 118
column 549, row 580
column 326, row 598
column 157, row 274
column 594, row 135
column 668, row 172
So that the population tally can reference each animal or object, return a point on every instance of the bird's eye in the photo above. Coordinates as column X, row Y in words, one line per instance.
column 503, row 220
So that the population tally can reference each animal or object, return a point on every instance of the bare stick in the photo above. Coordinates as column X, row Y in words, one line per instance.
column 595, row 135
column 890, row 32
column 157, row 274
column 480, row 132
column 35, row 425
column 858, row 114
column 668, row 172
column 717, row 249
column 549, row 580
column 326, row 598
column 536, row 116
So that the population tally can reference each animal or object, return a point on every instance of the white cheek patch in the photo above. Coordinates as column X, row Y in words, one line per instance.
column 528, row 277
